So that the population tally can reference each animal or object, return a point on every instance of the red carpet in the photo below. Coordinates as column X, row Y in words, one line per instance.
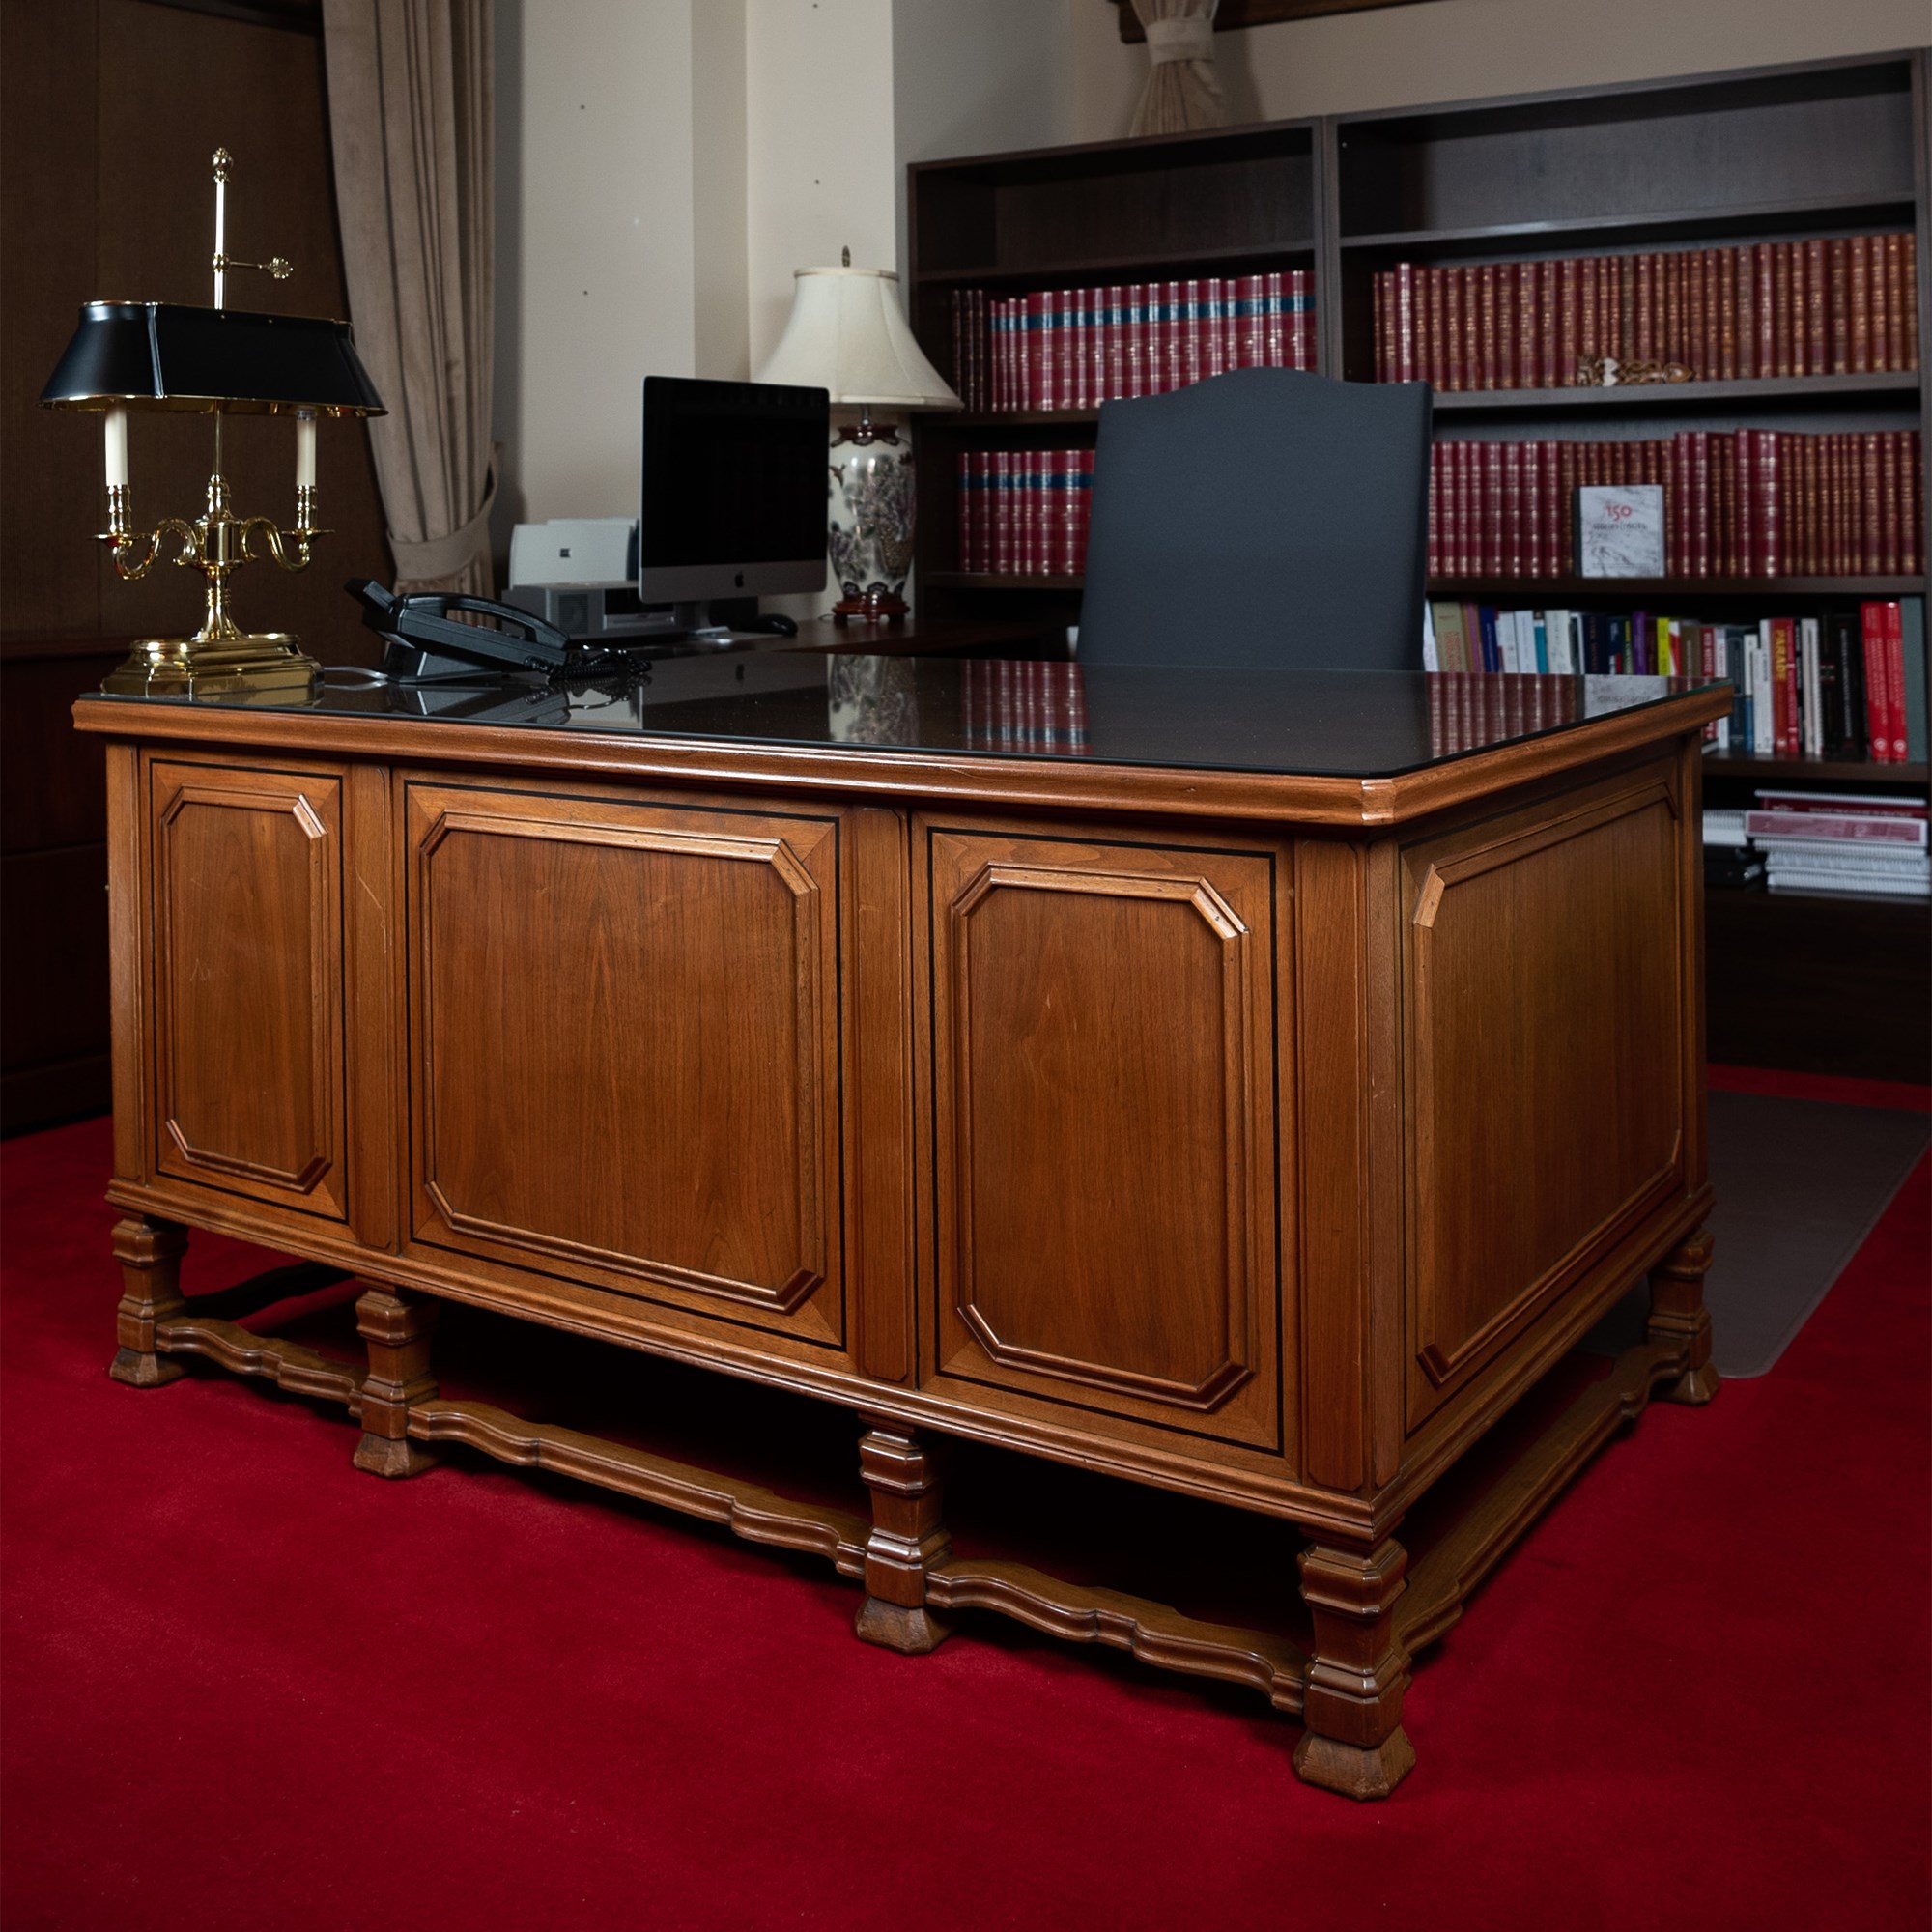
column 244, row 1684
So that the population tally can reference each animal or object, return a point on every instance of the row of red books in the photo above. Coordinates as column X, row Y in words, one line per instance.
column 1022, row 705
column 1736, row 503
column 1469, row 709
column 1024, row 511
column 1844, row 306
column 1074, row 349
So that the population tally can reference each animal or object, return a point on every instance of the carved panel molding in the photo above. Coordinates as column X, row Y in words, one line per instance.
column 248, row 1035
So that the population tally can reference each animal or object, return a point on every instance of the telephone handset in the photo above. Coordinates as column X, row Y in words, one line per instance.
column 424, row 641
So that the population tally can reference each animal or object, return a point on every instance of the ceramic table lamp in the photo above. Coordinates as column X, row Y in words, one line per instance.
column 847, row 335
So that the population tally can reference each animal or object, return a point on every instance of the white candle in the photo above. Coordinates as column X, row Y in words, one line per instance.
column 117, row 448
column 305, row 451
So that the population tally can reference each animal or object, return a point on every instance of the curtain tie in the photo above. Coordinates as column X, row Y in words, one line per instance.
column 431, row 559
column 1186, row 38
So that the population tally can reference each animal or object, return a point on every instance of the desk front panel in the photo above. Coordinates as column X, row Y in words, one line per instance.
column 626, row 1046
column 245, row 923
column 1098, row 1048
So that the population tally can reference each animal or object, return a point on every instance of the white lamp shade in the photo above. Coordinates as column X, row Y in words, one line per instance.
column 847, row 335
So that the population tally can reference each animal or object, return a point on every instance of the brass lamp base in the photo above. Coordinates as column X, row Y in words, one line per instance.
column 265, row 666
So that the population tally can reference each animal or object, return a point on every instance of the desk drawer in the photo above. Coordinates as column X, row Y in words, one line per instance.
column 1100, row 1084
column 625, row 1044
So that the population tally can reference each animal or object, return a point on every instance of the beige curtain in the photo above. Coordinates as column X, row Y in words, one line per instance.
column 413, row 129
column 1182, row 90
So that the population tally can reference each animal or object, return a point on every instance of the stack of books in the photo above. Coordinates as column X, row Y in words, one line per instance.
column 1860, row 843
column 1729, row 857
column 1075, row 349
column 1844, row 306
column 1023, row 512
column 1847, row 685
column 1748, row 503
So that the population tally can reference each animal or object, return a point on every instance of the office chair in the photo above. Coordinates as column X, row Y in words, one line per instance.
column 1263, row 518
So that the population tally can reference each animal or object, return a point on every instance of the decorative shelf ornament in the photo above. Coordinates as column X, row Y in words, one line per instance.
column 138, row 357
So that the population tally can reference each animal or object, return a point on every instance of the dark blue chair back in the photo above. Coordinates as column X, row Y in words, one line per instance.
column 1262, row 518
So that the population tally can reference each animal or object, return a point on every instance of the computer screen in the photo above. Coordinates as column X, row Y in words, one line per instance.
column 735, row 490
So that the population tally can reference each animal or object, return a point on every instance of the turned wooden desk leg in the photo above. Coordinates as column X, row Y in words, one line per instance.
column 1354, row 1742
column 1678, row 1316
column 150, row 1252
column 908, row 1539
column 397, row 1328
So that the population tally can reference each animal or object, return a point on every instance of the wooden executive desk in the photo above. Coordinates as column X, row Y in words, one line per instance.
column 1217, row 1079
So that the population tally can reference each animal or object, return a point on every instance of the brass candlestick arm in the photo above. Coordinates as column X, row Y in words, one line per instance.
column 221, row 655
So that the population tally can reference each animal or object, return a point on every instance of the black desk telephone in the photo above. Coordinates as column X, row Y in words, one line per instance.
column 425, row 641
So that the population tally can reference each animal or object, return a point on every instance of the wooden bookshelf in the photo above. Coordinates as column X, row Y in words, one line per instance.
column 1824, row 149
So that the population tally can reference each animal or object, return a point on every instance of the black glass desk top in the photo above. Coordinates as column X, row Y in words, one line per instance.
column 1367, row 725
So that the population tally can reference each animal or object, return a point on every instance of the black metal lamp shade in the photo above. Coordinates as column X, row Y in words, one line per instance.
column 166, row 355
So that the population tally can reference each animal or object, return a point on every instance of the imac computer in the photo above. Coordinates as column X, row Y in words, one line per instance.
column 733, row 499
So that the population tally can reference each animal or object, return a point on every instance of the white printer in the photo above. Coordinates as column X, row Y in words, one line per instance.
column 581, row 574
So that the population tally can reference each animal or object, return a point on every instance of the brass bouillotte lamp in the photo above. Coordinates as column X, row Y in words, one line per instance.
column 212, row 361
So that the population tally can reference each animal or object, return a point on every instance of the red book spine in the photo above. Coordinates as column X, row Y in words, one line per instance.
column 1785, row 734
column 1274, row 341
column 965, row 480
column 1001, row 332
column 1871, row 538
column 1384, row 327
column 1436, row 327
column 1569, row 319
column 998, row 505
column 1589, row 318
column 1527, row 315
column 1407, row 364
column 1433, row 565
column 1245, row 352
column 1912, row 471
column 1860, row 302
column 1817, row 310
column 1468, row 509
column 1452, row 317
column 1781, row 309
column 1303, row 282
column 1882, row 287
column 1500, row 326
column 1083, row 507
column 1889, row 519
column 1642, row 341
column 1908, row 315
column 1764, row 307
column 1548, row 320
column 1531, row 509
column 1494, row 510
column 1550, row 496
column 1218, row 343
column 1512, row 520
column 1193, row 332
column 1488, row 331
column 1894, row 681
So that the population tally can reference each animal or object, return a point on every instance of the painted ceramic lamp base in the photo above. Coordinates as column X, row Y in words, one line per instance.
column 870, row 521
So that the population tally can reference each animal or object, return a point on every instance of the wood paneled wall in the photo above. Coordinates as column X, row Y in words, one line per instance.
column 109, row 111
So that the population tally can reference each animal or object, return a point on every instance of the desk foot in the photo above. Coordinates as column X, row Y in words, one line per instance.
column 908, row 1538
column 149, row 1252
column 397, row 1329
column 1355, row 1770
column 1678, row 1316
column 892, row 1627
column 1355, row 1741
